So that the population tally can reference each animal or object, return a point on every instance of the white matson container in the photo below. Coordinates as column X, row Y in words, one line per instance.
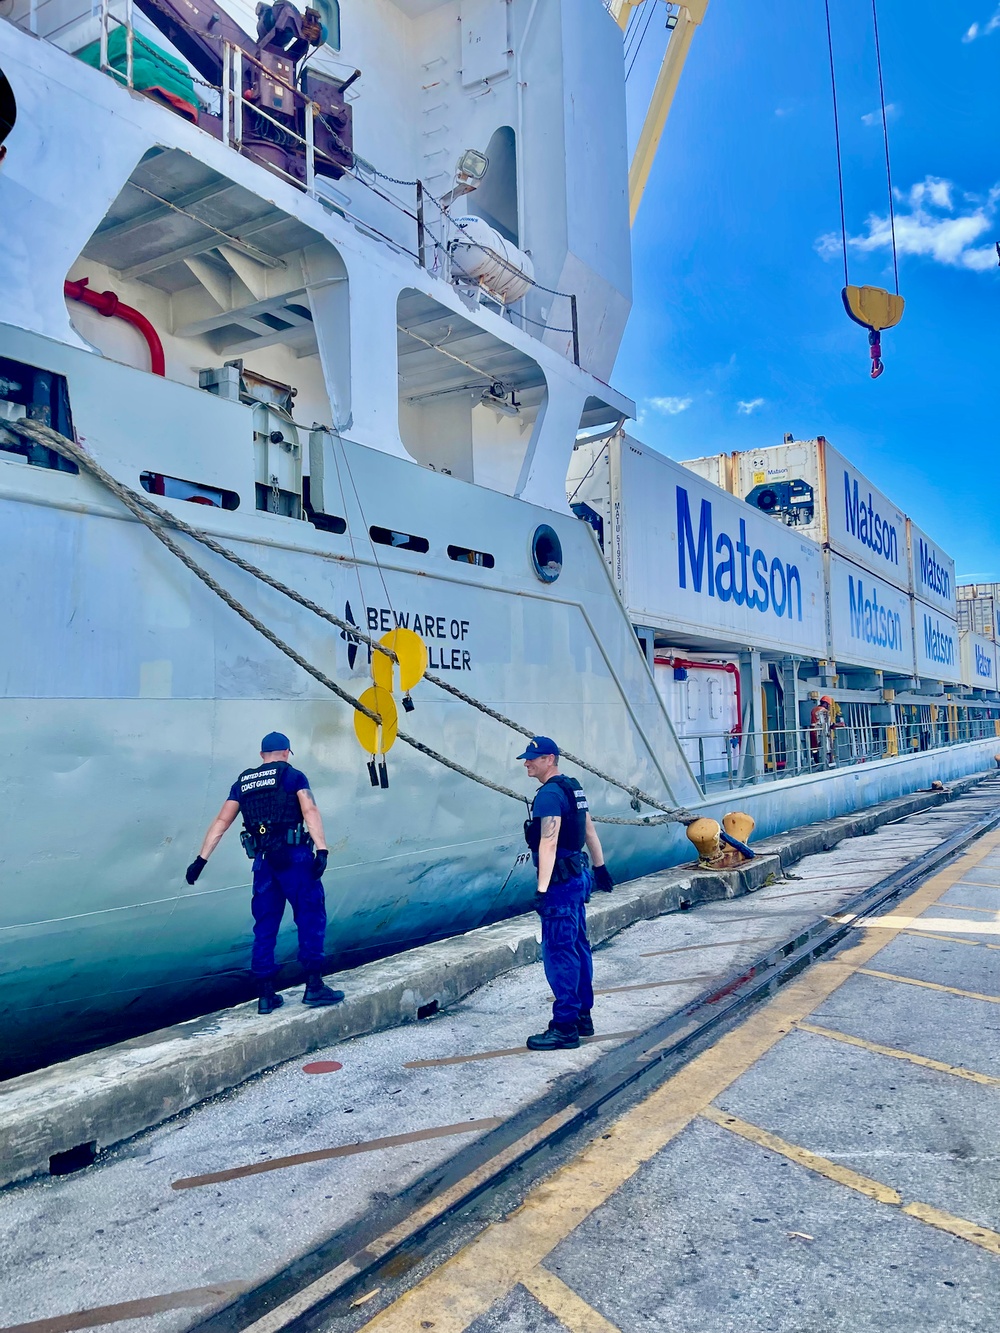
column 932, row 572
column 697, row 562
column 847, row 512
column 871, row 623
column 978, row 656
column 935, row 642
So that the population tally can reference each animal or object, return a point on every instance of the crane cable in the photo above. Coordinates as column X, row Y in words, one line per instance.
column 155, row 518
column 874, row 328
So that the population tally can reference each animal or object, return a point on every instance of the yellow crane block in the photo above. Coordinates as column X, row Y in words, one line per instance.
column 873, row 307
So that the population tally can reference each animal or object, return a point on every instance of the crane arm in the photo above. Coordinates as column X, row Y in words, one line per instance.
column 690, row 15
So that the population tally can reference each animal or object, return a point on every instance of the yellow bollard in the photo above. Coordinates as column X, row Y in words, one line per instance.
column 739, row 825
column 704, row 833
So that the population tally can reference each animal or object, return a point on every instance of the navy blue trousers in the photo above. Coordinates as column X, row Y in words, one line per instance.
column 281, row 877
column 566, row 957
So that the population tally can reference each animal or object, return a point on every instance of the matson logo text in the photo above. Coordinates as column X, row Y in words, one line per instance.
column 725, row 566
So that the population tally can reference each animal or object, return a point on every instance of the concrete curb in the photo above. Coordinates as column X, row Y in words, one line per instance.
column 108, row 1096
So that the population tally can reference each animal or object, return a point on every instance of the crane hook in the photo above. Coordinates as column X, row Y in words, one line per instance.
column 875, row 343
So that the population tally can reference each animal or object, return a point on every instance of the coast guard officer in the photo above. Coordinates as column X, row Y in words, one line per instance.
column 559, row 828
column 281, row 826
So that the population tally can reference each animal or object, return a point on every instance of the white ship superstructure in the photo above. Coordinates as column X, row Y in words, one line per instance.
column 351, row 324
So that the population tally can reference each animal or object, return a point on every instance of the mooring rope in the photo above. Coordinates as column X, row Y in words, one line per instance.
column 153, row 517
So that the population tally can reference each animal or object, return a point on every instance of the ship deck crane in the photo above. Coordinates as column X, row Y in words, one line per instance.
column 682, row 24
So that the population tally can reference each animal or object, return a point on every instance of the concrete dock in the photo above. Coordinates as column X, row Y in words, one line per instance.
column 199, row 1210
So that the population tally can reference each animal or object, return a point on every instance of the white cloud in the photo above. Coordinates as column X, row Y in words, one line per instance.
column 875, row 117
column 933, row 228
column 982, row 29
column 670, row 405
column 746, row 408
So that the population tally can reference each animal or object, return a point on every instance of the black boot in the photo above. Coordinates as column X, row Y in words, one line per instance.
column 317, row 993
column 585, row 1024
column 554, row 1039
column 269, row 997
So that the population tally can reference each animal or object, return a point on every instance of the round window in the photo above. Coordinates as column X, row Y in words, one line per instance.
column 546, row 554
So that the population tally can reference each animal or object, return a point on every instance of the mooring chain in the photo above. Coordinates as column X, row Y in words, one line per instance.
column 147, row 512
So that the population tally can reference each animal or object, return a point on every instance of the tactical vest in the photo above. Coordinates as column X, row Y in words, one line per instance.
column 272, row 816
column 570, row 856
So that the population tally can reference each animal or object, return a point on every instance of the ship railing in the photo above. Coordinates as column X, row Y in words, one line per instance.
column 729, row 760
column 421, row 227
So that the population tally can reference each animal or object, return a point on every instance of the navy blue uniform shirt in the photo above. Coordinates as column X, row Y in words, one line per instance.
column 550, row 799
column 292, row 781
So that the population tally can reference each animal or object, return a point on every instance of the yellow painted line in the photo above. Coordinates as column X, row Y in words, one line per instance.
column 894, row 1051
column 843, row 1175
column 466, row 1285
column 872, row 1189
column 978, row 883
column 930, row 985
column 562, row 1301
column 955, row 1226
column 961, row 907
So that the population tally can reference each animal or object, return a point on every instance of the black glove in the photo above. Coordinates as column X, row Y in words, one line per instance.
column 319, row 863
column 195, row 868
column 538, row 902
column 602, row 879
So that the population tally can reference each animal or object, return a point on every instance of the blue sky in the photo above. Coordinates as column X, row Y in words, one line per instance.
column 738, row 333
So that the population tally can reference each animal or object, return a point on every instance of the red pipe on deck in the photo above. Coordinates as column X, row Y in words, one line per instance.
column 107, row 303
column 730, row 667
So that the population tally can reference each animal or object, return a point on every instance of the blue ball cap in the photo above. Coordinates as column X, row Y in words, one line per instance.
column 538, row 746
column 275, row 740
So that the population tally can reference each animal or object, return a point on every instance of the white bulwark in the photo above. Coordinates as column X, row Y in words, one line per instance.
column 935, row 641
column 870, row 622
column 932, row 572
column 863, row 524
column 978, row 657
column 699, row 563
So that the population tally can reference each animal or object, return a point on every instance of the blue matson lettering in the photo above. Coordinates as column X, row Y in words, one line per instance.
column 871, row 622
column 933, row 574
column 866, row 524
column 984, row 663
column 939, row 645
column 777, row 586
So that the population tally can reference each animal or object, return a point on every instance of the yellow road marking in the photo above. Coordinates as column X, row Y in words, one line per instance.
column 843, row 1175
column 466, row 1285
column 977, row 883
column 930, row 985
column 956, row 1226
column 961, row 907
column 562, row 1301
column 959, row 1072
column 873, row 1189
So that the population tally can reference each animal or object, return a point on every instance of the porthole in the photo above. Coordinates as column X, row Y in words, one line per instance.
column 8, row 109
column 546, row 553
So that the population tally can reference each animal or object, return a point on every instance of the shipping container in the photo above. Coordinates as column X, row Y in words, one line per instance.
column 815, row 490
column 977, row 608
column 694, row 561
column 932, row 572
column 716, row 468
column 935, row 642
column 871, row 624
column 979, row 661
